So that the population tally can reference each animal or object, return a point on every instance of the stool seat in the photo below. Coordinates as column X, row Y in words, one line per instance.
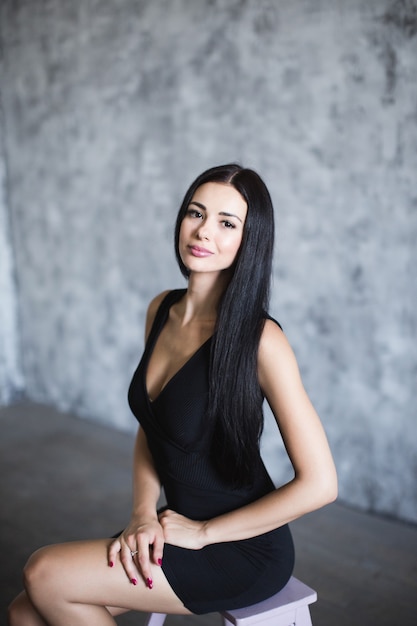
column 288, row 607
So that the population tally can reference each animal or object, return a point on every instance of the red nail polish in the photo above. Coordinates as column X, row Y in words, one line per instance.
column 134, row 581
column 159, row 561
column 111, row 564
column 149, row 582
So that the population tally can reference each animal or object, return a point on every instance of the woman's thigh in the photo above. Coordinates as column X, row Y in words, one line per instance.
column 79, row 572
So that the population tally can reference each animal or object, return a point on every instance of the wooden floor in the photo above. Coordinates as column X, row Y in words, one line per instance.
column 59, row 474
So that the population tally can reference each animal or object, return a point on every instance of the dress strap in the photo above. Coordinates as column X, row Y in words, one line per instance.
column 162, row 312
column 269, row 317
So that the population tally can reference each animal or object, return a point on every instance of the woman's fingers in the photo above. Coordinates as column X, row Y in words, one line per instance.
column 129, row 557
column 112, row 552
column 139, row 549
column 158, row 549
column 129, row 562
column 142, row 558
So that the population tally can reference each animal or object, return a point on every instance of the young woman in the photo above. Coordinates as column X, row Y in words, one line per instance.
column 212, row 355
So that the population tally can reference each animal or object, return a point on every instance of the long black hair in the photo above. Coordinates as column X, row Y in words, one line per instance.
column 235, row 398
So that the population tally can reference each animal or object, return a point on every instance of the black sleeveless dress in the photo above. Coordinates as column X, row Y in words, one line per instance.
column 220, row 576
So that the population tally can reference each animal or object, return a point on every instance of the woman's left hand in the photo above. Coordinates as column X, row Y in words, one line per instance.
column 181, row 531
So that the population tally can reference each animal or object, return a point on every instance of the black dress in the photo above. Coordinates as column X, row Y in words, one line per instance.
column 224, row 575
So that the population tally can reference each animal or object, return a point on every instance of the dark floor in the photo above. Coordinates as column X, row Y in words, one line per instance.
column 63, row 478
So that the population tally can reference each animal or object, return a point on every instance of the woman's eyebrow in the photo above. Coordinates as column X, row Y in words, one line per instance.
column 201, row 206
column 230, row 215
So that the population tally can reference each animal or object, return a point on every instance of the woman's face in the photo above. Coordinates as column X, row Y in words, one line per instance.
column 212, row 229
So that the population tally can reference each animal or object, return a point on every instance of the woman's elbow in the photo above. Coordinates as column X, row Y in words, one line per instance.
column 329, row 487
column 322, row 487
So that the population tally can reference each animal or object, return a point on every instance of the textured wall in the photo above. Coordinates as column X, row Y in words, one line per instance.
column 11, row 379
column 111, row 108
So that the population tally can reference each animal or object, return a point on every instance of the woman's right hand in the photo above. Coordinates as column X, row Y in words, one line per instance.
column 145, row 538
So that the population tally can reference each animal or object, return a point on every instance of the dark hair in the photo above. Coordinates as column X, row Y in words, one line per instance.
column 235, row 397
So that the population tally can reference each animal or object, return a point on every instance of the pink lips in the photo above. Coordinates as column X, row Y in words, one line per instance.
column 199, row 252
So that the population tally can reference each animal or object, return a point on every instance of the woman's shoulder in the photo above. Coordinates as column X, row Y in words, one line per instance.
column 272, row 331
column 156, row 302
column 276, row 358
column 155, row 305
column 273, row 345
column 272, row 319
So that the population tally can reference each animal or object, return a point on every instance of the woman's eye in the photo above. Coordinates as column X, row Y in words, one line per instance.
column 194, row 213
column 227, row 224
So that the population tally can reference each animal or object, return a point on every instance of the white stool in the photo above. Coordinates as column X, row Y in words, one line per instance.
column 288, row 607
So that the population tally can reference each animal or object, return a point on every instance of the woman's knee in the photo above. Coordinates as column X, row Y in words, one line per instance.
column 39, row 571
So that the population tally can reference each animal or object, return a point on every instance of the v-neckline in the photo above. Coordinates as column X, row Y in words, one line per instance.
column 151, row 349
column 177, row 373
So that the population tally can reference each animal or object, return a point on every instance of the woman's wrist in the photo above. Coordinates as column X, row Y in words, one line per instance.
column 206, row 533
column 142, row 514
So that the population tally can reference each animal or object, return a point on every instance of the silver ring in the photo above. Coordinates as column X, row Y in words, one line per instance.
column 133, row 553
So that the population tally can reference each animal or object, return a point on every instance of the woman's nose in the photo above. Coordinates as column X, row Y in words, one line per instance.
column 203, row 232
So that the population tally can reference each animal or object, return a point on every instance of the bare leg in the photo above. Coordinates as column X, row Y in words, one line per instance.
column 23, row 613
column 72, row 584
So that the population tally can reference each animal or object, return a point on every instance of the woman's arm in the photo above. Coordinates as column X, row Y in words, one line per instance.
column 143, row 529
column 314, row 483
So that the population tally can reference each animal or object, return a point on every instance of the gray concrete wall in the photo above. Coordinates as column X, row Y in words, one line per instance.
column 11, row 377
column 112, row 107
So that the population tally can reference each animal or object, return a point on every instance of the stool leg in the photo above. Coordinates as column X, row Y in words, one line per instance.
column 155, row 619
column 303, row 617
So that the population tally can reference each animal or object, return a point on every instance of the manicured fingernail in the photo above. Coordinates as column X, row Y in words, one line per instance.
column 134, row 581
column 111, row 564
column 149, row 582
column 159, row 561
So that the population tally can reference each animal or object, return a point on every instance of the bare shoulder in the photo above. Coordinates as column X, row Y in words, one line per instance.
column 276, row 356
column 273, row 340
column 152, row 309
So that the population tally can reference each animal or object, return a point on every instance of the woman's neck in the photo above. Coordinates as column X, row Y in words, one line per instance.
column 202, row 298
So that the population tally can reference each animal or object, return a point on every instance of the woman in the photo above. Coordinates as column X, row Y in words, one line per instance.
column 212, row 355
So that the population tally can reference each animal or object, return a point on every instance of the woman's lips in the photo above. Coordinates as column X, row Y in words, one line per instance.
column 199, row 252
